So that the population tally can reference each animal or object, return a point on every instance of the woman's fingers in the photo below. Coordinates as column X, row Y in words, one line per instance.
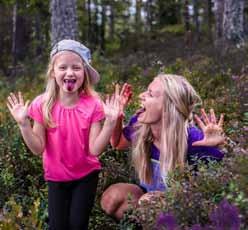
column 221, row 121
column 123, row 89
column 205, row 117
column 199, row 122
column 117, row 90
column 212, row 116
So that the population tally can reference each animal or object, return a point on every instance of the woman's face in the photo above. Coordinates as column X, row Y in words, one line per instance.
column 152, row 103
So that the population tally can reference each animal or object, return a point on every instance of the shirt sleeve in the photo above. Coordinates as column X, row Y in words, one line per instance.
column 98, row 114
column 203, row 153
column 129, row 130
column 35, row 110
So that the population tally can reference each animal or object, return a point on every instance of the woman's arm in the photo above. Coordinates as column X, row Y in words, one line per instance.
column 211, row 128
column 118, row 140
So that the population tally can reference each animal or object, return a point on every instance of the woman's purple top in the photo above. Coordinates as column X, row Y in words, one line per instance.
column 194, row 154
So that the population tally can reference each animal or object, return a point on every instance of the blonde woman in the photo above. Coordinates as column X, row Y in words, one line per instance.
column 67, row 133
column 162, row 139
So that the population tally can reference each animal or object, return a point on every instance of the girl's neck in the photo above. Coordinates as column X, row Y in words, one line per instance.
column 69, row 99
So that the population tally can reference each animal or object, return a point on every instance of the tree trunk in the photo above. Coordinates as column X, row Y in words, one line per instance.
column 186, row 15
column 95, row 33
column 219, row 10
column 138, row 16
column 103, row 24
column 89, row 20
column 13, row 50
column 233, row 21
column 38, row 37
column 196, row 19
column 64, row 22
column 209, row 18
column 148, row 8
column 112, row 22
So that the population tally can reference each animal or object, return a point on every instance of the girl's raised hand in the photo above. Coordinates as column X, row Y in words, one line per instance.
column 111, row 108
column 212, row 129
column 18, row 108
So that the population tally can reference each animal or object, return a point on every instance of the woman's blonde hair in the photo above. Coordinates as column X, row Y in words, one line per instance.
column 179, row 100
column 52, row 90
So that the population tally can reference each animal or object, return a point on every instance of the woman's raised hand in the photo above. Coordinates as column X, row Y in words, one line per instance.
column 212, row 129
column 124, row 96
column 18, row 108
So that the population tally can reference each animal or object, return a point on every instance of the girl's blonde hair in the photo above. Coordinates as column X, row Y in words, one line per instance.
column 179, row 99
column 52, row 90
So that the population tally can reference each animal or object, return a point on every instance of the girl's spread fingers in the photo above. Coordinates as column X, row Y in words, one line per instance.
column 26, row 104
column 20, row 98
column 9, row 106
column 10, row 101
column 199, row 122
column 14, row 99
column 212, row 116
column 205, row 117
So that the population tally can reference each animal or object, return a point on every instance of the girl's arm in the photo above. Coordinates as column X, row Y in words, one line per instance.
column 33, row 137
column 99, row 138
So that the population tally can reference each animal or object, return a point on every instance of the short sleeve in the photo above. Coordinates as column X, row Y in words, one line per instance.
column 129, row 129
column 203, row 153
column 35, row 110
column 98, row 114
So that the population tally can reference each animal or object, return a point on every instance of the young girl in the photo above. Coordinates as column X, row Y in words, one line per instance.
column 162, row 139
column 67, row 133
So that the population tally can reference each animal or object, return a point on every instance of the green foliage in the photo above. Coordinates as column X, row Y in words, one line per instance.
column 12, row 217
column 191, row 197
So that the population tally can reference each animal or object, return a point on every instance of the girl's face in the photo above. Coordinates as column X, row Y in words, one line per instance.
column 68, row 72
column 152, row 103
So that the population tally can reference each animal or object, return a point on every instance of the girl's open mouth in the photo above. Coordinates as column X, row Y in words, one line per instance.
column 70, row 83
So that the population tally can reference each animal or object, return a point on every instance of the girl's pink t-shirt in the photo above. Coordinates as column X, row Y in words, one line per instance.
column 66, row 156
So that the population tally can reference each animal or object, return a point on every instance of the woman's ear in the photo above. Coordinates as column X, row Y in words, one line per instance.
column 52, row 74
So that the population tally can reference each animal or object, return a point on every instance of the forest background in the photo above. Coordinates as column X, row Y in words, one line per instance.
column 132, row 41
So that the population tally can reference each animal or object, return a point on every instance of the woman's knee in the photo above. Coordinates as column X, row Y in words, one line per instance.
column 112, row 198
column 116, row 195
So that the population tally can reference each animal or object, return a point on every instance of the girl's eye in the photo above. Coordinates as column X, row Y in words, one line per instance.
column 62, row 67
column 77, row 67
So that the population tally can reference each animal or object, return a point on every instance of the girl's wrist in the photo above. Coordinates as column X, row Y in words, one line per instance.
column 24, row 124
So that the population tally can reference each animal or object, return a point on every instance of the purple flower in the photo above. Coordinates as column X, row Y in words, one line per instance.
column 166, row 220
column 196, row 227
column 225, row 216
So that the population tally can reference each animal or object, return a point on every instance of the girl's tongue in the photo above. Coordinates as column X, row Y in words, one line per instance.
column 70, row 83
